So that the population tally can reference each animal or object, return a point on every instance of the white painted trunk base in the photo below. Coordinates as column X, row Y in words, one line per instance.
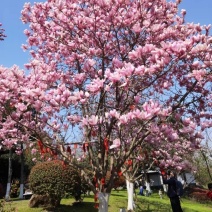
column 164, row 186
column 21, row 196
column 148, row 189
column 130, row 193
column 103, row 201
column 7, row 196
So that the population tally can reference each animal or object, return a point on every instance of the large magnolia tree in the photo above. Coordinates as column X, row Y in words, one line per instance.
column 113, row 76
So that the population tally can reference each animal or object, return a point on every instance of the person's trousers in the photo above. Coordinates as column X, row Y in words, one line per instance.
column 175, row 203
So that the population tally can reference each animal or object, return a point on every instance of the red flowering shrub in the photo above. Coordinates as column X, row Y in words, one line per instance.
column 209, row 195
column 198, row 194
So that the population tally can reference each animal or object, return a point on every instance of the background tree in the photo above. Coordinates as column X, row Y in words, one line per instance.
column 16, row 167
column 202, row 176
column 112, row 76
column 202, row 161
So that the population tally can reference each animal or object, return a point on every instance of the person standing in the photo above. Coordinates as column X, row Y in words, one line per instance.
column 170, row 180
column 141, row 191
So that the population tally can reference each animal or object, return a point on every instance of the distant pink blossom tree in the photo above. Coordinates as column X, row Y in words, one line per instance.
column 114, row 76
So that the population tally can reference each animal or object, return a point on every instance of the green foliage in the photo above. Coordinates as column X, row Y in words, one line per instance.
column 15, row 188
column 6, row 206
column 54, row 179
column 202, row 175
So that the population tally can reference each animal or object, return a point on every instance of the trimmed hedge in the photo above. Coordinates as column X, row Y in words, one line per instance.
column 54, row 179
column 198, row 194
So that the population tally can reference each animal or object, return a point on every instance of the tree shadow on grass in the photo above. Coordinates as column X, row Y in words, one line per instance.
column 146, row 206
column 118, row 195
column 81, row 207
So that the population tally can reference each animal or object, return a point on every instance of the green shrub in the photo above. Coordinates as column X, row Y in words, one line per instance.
column 6, row 206
column 54, row 179
column 15, row 188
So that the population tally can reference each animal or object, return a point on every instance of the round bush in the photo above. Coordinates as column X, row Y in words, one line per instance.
column 53, row 179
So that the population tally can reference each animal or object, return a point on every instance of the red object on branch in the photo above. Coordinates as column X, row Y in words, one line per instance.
column 87, row 146
column 103, row 181
column 94, row 179
column 132, row 107
column 130, row 162
column 120, row 173
column 75, row 146
column 96, row 205
column 95, row 197
column 156, row 162
column 162, row 172
column 93, row 133
column 106, row 144
column 69, row 149
column 43, row 150
column 40, row 143
column 83, row 147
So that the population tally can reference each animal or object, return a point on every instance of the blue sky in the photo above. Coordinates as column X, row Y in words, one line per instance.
column 198, row 11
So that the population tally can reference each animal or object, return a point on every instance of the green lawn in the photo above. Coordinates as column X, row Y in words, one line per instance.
column 117, row 200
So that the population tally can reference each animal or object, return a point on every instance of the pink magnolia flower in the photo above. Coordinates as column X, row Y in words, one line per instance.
column 173, row 136
column 18, row 152
column 137, row 99
column 117, row 63
column 95, row 85
column 114, row 113
column 84, row 121
column 9, row 143
column 123, row 119
column 114, row 77
column 198, row 74
column 21, row 106
column 151, row 107
column 136, row 28
column 93, row 120
column 138, row 114
column 116, row 143
column 33, row 151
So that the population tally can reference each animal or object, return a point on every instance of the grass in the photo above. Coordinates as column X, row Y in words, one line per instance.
column 118, row 199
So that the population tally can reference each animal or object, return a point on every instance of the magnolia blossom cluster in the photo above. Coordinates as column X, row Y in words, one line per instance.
column 12, row 107
column 121, row 65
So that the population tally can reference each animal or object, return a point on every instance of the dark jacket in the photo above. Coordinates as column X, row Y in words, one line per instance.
column 171, row 187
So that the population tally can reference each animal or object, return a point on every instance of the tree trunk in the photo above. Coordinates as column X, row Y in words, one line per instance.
column 103, row 201
column 7, row 197
column 164, row 186
column 148, row 188
column 22, row 174
column 130, row 193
